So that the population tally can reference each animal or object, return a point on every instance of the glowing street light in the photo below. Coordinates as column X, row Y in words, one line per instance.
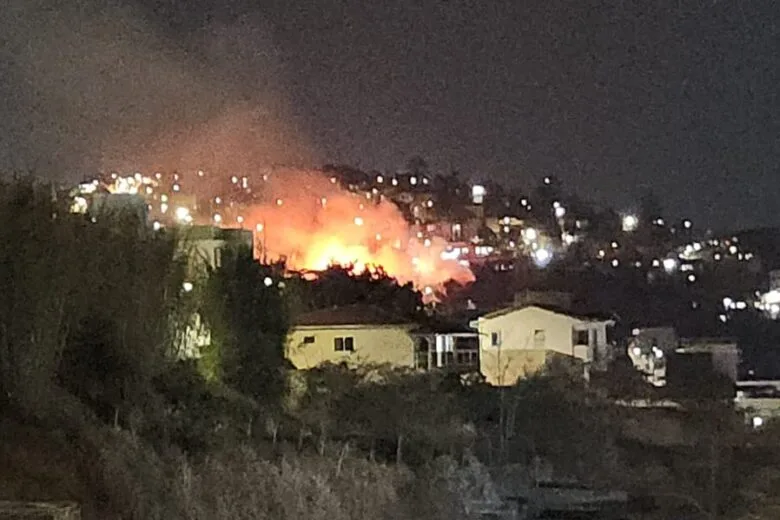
column 630, row 223
column 183, row 215
column 478, row 194
column 542, row 257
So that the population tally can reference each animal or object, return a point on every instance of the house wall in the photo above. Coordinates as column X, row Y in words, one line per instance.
column 521, row 352
column 505, row 367
column 373, row 345
column 516, row 330
column 206, row 251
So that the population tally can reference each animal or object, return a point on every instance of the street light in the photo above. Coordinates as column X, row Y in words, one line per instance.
column 630, row 223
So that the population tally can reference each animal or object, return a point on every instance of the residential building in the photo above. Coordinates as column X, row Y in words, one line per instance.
column 367, row 335
column 354, row 334
column 657, row 353
column 649, row 349
column 518, row 341
column 758, row 400
column 723, row 353
column 207, row 243
column 448, row 347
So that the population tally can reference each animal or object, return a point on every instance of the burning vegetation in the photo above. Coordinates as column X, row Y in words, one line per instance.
column 301, row 217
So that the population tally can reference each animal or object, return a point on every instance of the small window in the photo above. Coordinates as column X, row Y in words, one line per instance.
column 580, row 337
column 308, row 340
column 344, row 344
column 539, row 338
column 495, row 339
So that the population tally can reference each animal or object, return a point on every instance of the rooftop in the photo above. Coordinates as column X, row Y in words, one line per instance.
column 549, row 308
column 215, row 233
column 356, row 314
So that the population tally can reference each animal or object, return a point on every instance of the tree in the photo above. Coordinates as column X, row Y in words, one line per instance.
column 340, row 286
column 410, row 411
column 245, row 311
column 39, row 258
column 130, row 291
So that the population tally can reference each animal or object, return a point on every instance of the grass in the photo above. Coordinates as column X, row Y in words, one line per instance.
column 115, row 475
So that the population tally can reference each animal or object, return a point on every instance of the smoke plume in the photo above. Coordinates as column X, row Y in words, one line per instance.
column 96, row 85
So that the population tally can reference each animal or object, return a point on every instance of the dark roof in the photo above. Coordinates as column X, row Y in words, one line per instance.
column 551, row 308
column 215, row 233
column 356, row 314
column 437, row 325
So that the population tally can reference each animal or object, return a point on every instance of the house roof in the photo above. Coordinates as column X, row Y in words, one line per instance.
column 549, row 308
column 356, row 314
column 441, row 326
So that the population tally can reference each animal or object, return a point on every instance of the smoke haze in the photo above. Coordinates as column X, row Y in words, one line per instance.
column 92, row 85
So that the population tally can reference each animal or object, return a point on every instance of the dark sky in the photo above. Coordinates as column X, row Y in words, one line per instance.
column 611, row 97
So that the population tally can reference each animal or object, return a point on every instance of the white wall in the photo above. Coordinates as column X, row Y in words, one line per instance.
column 516, row 330
column 523, row 329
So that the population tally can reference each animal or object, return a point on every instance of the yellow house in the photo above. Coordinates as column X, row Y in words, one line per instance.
column 518, row 341
column 354, row 334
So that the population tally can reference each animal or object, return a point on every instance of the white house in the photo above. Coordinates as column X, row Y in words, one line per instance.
column 520, row 340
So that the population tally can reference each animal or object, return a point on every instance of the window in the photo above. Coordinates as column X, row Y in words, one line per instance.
column 468, row 358
column 495, row 338
column 308, row 340
column 457, row 232
column 611, row 340
column 344, row 344
column 422, row 354
column 539, row 338
column 580, row 337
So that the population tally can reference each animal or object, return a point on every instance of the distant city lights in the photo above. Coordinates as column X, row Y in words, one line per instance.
column 630, row 223
column 478, row 194
column 542, row 257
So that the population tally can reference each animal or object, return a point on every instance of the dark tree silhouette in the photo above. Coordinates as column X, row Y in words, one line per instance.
column 248, row 320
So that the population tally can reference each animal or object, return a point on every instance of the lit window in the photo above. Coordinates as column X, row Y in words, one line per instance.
column 344, row 344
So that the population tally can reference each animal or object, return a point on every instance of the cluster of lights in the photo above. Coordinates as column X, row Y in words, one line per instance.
column 559, row 210
column 769, row 303
column 718, row 248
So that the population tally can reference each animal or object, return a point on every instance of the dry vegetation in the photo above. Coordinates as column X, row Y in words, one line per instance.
column 96, row 407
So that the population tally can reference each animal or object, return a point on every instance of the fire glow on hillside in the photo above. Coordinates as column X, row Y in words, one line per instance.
column 303, row 217
column 313, row 223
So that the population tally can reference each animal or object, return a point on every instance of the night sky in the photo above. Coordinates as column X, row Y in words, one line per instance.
column 611, row 97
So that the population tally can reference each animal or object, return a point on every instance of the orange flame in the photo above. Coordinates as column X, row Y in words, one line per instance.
column 313, row 223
